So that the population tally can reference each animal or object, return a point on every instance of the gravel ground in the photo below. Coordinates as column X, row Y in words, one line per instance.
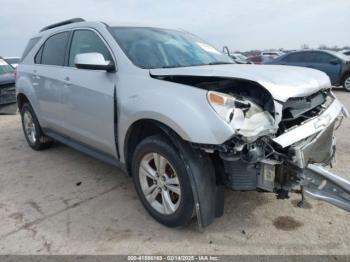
column 60, row 201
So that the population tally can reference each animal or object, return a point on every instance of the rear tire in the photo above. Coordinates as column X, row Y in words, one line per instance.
column 165, row 188
column 32, row 130
column 346, row 82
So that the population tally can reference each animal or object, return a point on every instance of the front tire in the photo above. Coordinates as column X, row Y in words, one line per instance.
column 32, row 130
column 162, row 182
column 346, row 82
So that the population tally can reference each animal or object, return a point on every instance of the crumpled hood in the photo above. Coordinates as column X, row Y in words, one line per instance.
column 281, row 81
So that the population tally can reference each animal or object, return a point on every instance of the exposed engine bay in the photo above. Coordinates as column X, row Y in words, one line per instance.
column 278, row 147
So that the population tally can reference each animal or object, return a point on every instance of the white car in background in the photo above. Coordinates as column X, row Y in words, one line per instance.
column 13, row 61
column 240, row 59
column 236, row 57
column 270, row 55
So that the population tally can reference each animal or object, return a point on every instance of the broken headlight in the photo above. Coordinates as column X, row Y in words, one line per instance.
column 245, row 117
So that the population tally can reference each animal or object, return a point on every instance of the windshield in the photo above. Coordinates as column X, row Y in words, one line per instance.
column 5, row 68
column 160, row 48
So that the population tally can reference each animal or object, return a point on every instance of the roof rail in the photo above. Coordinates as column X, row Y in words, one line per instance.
column 66, row 22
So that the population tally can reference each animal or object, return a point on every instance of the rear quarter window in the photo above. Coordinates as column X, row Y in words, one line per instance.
column 32, row 42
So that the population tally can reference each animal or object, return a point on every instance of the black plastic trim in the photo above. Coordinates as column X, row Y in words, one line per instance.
column 65, row 22
column 109, row 159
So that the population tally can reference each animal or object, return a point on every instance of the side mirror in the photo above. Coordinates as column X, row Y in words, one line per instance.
column 93, row 61
column 334, row 61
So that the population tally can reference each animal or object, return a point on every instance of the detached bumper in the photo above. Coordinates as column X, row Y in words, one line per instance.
column 313, row 126
column 313, row 141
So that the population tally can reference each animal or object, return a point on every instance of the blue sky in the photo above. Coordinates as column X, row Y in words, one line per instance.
column 242, row 25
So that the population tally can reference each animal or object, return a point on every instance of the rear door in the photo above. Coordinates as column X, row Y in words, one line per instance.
column 47, row 79
column 88, row 95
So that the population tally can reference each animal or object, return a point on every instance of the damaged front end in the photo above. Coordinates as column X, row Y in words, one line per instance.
column 283, row 156
column 277, row 146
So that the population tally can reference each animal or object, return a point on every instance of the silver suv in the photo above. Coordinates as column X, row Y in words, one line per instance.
column 180, row 117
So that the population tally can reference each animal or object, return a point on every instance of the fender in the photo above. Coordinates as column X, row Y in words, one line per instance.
column 184, row 109
column 208, row 196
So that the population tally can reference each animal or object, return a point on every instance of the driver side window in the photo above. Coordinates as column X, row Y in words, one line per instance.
column 87, row 41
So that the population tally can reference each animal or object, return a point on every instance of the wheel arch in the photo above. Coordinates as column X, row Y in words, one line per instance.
column 345, row 74
column 21, row 100
column 141, row 129
column 208, row 196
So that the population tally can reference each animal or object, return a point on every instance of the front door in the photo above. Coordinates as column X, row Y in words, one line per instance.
column 88, row 96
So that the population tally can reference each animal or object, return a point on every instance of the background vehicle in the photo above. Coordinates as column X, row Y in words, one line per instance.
column 334, row 64
column 7, row 84
column 345, row 52
column 13, row 61
column 237, row 58
column 240, row 59
column 179, row 116
column 257, row 59
column 270, row 55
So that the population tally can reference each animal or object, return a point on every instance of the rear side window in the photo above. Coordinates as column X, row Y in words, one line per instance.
column 54, row 49
column 318, row 57
column 86, row 41
column 32, row 42
column 297, row 57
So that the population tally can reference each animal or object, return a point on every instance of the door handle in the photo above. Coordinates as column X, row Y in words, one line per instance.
column 35, row 75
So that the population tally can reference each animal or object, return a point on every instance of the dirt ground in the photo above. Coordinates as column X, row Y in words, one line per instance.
column 60, row 201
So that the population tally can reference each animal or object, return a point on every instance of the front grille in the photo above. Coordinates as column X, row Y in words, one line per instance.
column 298, row 109
column 7, row 94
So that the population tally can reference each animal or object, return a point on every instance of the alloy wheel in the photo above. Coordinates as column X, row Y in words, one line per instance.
column 347, row 83
column 29, row 127
column 160, row 183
